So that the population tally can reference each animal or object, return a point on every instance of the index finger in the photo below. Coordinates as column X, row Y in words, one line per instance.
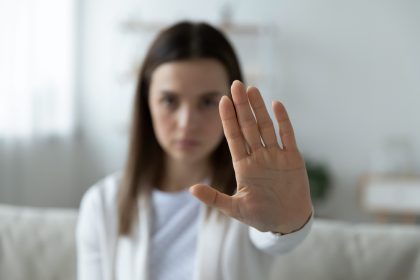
column 233, row 133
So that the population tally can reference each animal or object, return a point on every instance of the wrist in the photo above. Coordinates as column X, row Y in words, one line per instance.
column 284, row 231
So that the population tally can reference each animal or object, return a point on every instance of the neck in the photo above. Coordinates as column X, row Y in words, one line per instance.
column 182, row 175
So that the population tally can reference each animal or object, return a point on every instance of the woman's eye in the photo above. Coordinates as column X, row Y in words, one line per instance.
column 209, row 102
column 169, row 101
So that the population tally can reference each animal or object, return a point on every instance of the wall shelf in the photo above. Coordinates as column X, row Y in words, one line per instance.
column 231, row 28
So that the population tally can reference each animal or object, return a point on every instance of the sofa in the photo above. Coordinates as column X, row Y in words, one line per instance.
column 37, row 243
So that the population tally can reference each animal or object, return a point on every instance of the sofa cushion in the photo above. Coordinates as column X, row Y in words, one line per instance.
column 342, row 250
column 37, row 243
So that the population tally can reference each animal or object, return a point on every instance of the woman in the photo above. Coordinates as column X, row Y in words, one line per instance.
column 148, row 221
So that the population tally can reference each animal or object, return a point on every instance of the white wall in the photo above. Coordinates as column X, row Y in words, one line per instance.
column 351, row 79
column 348, row 72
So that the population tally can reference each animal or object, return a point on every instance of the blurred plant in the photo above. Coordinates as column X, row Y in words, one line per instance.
column 319, row 180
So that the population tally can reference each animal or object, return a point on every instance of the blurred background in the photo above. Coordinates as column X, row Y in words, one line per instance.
column 348, row 72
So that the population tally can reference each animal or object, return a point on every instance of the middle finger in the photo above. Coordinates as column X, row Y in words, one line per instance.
column 246, row 118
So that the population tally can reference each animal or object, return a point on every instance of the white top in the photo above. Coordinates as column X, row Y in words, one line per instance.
column 174, row 235
column 226, row 249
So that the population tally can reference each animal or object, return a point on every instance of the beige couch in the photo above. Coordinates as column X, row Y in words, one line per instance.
column 39, row 244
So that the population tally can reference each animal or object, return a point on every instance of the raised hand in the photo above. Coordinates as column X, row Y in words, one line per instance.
column 272, row 183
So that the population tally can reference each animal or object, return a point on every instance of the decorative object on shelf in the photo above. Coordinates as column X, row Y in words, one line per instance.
column 388, row 195
column 226, row 14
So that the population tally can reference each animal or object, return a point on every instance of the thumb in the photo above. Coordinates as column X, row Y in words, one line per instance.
column 213, row 198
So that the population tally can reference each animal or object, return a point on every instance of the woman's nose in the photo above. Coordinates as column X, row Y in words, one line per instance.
column 187, row 117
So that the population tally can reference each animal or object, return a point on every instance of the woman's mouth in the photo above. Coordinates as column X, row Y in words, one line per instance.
column 186, row 143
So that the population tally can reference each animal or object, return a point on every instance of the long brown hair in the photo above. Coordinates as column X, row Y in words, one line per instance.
column 182, row 41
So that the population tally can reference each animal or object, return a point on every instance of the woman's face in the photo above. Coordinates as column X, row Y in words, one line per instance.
column 183, row 100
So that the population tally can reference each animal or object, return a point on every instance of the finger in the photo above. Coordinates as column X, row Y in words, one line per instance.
column 287, row 134
column 213, row 198
column 264, row 122
column 231, row 129
column 246, row 119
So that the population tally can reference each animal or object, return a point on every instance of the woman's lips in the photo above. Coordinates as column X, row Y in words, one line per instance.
column 186, row 143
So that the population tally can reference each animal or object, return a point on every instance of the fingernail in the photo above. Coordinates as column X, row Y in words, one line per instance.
column 237, row 82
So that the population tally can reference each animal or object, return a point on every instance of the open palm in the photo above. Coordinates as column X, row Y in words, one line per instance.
column 272, row 184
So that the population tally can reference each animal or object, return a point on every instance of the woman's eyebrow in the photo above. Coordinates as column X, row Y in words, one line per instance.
column 168, row 92
column 203, row 94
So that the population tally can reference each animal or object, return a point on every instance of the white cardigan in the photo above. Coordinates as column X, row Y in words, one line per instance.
column 227, row 249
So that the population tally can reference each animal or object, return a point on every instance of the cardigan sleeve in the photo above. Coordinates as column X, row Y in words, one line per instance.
column 276, row 244
column 89, row 257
